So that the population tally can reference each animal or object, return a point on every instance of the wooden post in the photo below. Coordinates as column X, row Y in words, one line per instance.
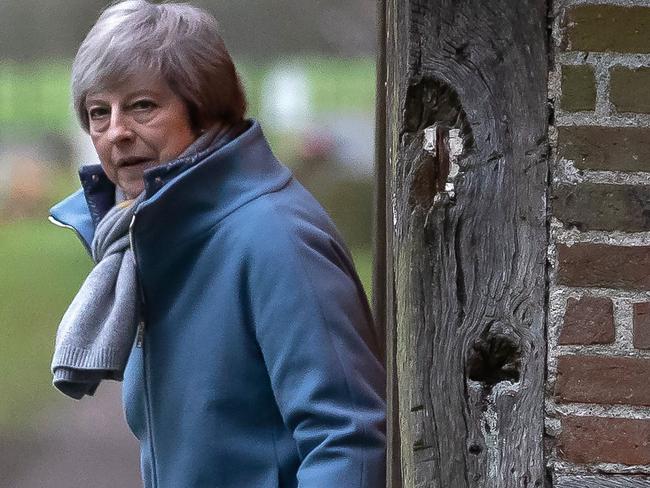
column 466, row 186
column 383, row 305
column 379, row 286
column 383, row 289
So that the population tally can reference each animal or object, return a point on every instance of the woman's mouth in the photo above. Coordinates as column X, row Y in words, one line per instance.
column 132, row 161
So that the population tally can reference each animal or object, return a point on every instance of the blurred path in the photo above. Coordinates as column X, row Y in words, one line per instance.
column 83, row 444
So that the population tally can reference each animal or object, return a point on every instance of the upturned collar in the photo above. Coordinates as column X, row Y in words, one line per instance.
column 203, row 187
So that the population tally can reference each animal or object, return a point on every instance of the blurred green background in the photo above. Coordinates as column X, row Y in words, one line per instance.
column 309, row 77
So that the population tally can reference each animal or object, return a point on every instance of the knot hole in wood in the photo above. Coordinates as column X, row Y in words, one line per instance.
column 495, row 356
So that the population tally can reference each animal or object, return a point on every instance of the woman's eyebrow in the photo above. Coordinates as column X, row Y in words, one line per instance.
column 99, row 99
column 94, row 100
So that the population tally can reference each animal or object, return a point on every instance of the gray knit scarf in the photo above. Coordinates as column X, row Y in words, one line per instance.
column 97, row 332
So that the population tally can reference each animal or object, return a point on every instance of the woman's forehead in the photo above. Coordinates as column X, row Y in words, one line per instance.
column 131, row 85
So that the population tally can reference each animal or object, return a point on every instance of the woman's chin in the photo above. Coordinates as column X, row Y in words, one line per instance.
column 131, row 188
column 131, row 178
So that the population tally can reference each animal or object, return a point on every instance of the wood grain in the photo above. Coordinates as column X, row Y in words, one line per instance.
column 605, row 481
column 468, row 250
column 383, row 303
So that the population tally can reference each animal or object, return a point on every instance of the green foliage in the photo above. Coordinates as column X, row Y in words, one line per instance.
column 37, row 95
column 342, row 85
column 348, row 201
column 363, row 262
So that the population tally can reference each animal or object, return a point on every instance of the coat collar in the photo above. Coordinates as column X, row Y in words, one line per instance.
column 197, row 191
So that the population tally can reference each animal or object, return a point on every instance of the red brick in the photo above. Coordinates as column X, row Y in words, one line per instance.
column 606, row 148
column 603, row 379
column 607, row 28
column 642, row 325
column 589, row 320
column 587, row 440
column 630, row 89
column 596, row 206
column 603, row 266
column 578, row 88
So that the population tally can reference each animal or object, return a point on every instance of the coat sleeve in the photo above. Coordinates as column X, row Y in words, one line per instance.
column 315, row 333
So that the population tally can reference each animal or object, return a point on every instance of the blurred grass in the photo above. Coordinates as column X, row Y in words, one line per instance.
column 43, row 268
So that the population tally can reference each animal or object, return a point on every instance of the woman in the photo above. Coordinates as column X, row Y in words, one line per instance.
column 222, row 294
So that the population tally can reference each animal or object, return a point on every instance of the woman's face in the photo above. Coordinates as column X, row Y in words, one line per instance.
column 135, row 126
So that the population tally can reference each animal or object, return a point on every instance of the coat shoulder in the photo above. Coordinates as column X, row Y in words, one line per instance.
column 284, row 219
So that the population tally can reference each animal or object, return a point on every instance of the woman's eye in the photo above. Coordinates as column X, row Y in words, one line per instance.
column 143, row 105
column 97, row 113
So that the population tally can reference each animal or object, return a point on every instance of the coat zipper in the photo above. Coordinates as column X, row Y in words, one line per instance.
column 139, row 340
column 140, row 343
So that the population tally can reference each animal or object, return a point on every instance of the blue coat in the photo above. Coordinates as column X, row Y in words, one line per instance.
column 258, row 365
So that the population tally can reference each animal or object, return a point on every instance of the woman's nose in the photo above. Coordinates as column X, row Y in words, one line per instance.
column 120, row 128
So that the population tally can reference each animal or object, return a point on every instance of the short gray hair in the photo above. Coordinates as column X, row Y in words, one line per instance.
column 178, row 41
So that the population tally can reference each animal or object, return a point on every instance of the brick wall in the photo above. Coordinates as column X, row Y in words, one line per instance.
column 598, row 388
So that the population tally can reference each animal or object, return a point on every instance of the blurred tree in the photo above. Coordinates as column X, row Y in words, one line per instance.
column 32, row 29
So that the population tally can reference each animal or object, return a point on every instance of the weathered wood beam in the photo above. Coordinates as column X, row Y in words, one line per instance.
column 603, row 481
column 383, row 290
column 379, row 285
column 467, row 169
